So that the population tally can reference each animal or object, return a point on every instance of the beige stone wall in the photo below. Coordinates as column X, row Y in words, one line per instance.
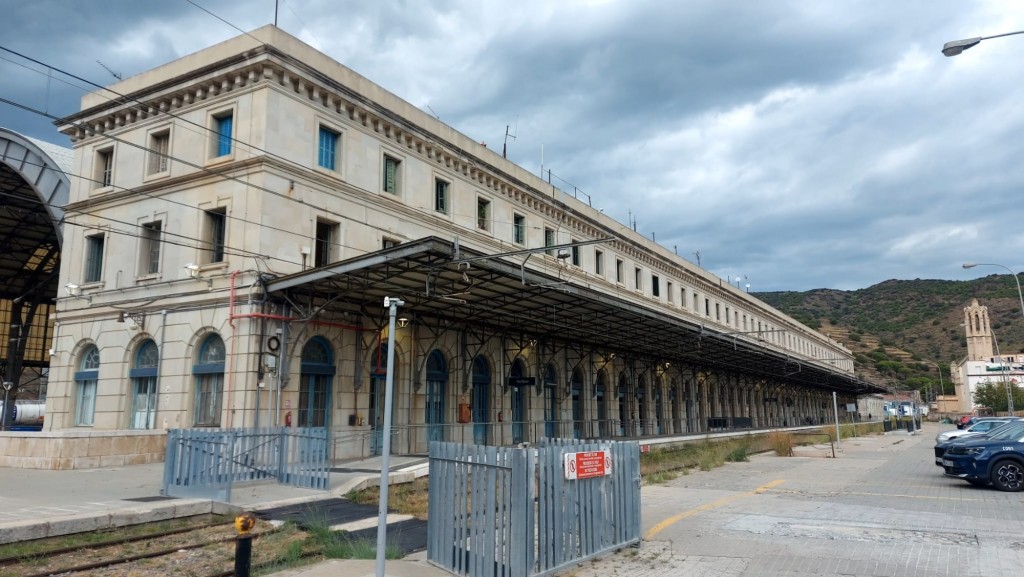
column 81, row 450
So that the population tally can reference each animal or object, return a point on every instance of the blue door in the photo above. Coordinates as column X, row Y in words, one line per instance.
column 577, row 404
column 481, row 402
column 437, row 385
column 550, row 402
column 315, row 387
column 378, row 384
column 518, row 403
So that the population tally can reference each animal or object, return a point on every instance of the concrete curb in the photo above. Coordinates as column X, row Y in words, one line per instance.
column 28, row 529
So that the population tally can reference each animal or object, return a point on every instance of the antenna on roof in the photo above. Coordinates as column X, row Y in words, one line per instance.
column 696, row 253
column 275, row 13
column 436, row 115
column 112, row 73
column 504, row 146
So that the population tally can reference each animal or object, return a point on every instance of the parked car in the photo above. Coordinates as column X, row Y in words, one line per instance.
column 945, row 439
column 968, row 420
column 996, row 458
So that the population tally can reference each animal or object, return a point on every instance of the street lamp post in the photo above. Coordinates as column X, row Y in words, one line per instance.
column 954, row 47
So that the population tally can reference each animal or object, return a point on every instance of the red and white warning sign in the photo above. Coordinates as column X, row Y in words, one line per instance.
column 588, row 465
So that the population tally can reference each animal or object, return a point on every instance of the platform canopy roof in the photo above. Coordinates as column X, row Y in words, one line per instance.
column 443, row 284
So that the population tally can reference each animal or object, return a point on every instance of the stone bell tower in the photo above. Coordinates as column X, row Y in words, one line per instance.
column 979, row 332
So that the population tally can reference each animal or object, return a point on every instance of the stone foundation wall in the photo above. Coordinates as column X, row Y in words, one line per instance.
column 81, row 449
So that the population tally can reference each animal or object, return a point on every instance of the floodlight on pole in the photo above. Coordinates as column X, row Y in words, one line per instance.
column 954, row 47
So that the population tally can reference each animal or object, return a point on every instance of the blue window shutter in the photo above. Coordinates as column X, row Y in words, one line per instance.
column 224, row 135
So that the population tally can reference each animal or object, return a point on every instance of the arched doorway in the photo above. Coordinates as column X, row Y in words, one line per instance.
column 317, row 373
column 600, row 391
column 641, row 404
column 378, row 386
column 209, row 382
column 437, row 387
column 516, row 374
column 624, row 420
column 550, row 401
column 143, row 377
column 578, row 412
column 659, row 407
column 481, row 401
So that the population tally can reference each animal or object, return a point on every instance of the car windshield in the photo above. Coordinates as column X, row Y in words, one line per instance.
column 985, row 426
column 1010, row 430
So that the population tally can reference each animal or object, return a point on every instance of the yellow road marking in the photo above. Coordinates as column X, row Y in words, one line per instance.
column 709, row 506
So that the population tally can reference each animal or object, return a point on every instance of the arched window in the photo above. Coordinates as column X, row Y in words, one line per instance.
column 315, row 388
column 85, row 385
column 209, row 381
column 625, row 423
column 143, row 375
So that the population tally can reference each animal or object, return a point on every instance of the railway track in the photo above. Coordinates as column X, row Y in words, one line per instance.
column 205, row 549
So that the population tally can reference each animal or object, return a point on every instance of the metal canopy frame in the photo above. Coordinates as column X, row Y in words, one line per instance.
column 447, row 284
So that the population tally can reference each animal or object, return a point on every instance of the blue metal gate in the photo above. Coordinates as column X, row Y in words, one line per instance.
column 204, row 463
column 510, row 512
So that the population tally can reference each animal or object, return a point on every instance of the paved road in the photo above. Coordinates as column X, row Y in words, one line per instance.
column 882, row 508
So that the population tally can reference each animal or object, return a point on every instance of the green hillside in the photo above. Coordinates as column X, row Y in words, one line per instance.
column 897, row 329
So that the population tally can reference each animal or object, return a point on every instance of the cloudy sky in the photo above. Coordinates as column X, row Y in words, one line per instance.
column 798, row 144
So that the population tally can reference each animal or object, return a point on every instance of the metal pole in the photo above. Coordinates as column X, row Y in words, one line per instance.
column 835, row 409
column 385, row 461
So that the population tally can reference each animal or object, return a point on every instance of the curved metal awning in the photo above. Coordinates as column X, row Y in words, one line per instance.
column 446, row 285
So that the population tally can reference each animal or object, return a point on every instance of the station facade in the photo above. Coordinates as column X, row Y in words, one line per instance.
column 240, row 214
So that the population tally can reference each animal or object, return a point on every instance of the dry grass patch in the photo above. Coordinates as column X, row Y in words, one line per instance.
column 405, row 498
column 781, row 442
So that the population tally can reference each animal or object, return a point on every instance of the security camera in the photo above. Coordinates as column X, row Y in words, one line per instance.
column 72, row 289
column 193, row 269
column 563, row 253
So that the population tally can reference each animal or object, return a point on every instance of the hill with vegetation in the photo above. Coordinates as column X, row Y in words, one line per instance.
column 899, row 330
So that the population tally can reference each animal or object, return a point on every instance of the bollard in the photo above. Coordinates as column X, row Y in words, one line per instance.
column 243, row 547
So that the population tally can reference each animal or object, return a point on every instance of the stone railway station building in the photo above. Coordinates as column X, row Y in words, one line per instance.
column 241, row 213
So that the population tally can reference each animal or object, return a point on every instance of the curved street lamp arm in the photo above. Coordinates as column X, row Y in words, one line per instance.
column 954, row 47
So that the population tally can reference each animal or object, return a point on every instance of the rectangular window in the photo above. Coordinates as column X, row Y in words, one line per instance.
column 638, row 279
column 104, row 175
column 549, row 240
column 94, row 258
column 159, row 148
column 518, row 229
column 696, row 302
column 707, row 307
column 668, row 289
column 727, row 316
column 149, row 250
column 222, row 128
column 85, row 402
column 326, row 242
column 441, row 195
column 655, row 286
column 483, row 214
column 391, row 174
column 216, row 225
column 718, row 312
column 618, row 270
column 599, row 263
column 327, row 156
column 575, row 254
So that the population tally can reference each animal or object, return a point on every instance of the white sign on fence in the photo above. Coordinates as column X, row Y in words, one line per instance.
column 588, row 465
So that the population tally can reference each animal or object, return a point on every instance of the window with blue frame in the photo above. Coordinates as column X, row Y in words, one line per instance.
column 143, row 376
column 222, row 127
column 85, row 385
column 328, row 150
column 209, row 382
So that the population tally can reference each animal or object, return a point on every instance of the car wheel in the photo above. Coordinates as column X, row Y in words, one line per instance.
column 1008, row 475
